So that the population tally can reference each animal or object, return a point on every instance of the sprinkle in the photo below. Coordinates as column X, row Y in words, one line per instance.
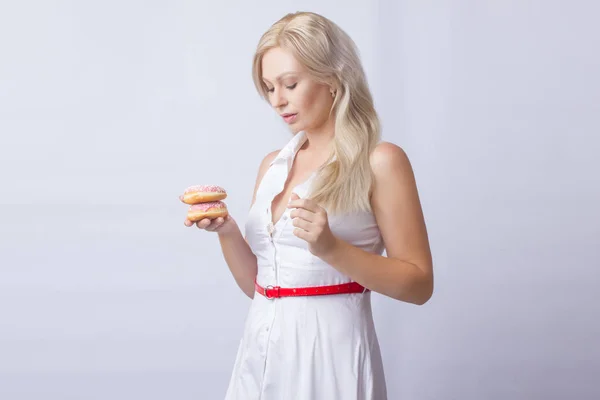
column 205, row 188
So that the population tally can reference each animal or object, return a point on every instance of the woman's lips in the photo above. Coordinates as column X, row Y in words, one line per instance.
column 290, row 118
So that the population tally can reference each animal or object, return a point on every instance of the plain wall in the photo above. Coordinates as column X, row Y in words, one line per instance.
column 109, row 110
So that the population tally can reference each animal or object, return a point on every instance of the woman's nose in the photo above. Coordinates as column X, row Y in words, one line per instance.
column 278, row 99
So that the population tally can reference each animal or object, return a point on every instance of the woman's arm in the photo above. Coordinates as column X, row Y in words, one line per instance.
column 407, row 273
column 236, row 251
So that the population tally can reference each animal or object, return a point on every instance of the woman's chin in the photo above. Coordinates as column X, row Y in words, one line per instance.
column 294, row 128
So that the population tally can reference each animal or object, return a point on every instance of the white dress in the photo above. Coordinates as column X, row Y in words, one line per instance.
column 308, row 347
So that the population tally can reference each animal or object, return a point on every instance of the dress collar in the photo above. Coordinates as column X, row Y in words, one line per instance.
column 291, row 148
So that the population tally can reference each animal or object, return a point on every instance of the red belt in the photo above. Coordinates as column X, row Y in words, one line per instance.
column 272, row 292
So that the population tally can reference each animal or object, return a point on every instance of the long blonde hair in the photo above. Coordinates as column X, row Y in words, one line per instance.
column 331, row 57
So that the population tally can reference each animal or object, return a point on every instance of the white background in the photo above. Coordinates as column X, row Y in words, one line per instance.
column 108, row 110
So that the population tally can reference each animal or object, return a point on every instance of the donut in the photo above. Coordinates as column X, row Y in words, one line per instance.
column 203, row 193
column 210, row 210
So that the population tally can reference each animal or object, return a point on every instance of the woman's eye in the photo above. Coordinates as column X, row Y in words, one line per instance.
column 289, row 87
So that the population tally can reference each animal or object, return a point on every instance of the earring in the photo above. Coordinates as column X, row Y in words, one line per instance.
column 333, row 92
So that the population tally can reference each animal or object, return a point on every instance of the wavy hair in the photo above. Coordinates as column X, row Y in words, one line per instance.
column 331, row 57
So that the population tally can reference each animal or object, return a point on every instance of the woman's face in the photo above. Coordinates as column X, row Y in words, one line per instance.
column 292, row 91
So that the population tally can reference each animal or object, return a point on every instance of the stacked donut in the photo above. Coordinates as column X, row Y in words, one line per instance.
column 205, row 202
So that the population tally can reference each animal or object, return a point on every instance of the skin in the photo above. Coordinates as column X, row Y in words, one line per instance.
column 406, row 274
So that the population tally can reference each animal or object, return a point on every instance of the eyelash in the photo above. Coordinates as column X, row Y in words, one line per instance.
column 289, row 87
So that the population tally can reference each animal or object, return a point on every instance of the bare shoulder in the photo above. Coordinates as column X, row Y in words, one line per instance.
column 392, row 172
column 262, row 169
column 264, row 165
column 389, row 161
column 393, row 175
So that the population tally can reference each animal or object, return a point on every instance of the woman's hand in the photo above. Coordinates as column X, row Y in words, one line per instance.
column 312, row 225
column 221, row 225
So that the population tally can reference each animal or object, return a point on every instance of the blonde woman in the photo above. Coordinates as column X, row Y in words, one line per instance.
column 323, row 210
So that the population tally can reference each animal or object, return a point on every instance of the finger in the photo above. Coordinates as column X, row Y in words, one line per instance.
column 302, row 224
column 305, row 204
column 203, row 223
column 301, row 233
column 215, row 224
column 188, row 223
column 293, row 199
column 303, row 214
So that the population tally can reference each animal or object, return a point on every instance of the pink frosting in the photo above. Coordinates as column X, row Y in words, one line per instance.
column 207, row 205
column 205, row 188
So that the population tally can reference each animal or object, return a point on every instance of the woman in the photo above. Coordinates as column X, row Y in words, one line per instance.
column 324, row 208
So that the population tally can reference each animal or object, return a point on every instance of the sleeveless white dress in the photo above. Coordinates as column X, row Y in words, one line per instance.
column 308, row 347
